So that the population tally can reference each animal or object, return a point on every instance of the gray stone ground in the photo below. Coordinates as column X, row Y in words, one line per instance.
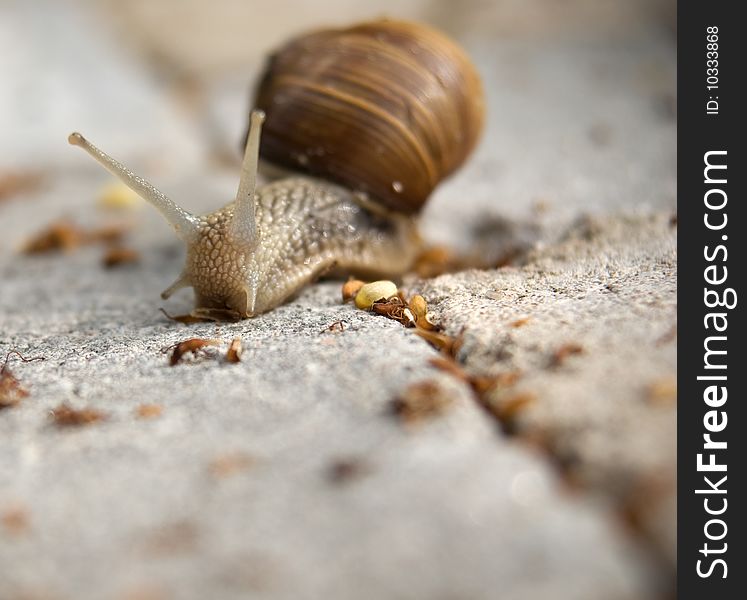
column 229, row 493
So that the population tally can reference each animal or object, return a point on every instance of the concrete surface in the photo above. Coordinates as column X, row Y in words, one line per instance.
column 286, row 475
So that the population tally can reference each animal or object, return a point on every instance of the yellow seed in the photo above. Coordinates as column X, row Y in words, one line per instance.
column 350, row 289
column 418, row 306
column 371, row 292
column 118, row 196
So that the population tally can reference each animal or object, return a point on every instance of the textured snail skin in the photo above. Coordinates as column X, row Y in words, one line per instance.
column 306, row 228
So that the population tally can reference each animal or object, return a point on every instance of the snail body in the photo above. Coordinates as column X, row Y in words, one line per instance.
column 305, row 228
column 373, row 153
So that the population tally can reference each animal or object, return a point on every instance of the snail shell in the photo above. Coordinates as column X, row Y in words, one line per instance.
column 386, row 108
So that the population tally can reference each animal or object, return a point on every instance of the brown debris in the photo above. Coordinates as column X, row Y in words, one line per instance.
column 395, row 308
column 15, row 520
column 520, row 322
column 669, row 336
column 662, row 392
column 118, row 255
column 420, row 401
column 509, row 408
column 450, row 366
column 336, row 327
column 65, row 236
column 409, row 314
column 15, row 183
column 412, row 313
column 198, row 348
column 172, row 538
column 350, row 289
column 562, row 353
column 148, row 411
column 426, row 324
column 233, row 355
column 195, row 346
column 483, row 386
column 60, row 236
column 345, row 470
column 489, row 383
column 440, row 341
column 480, row 384
column 646, row 498
column 11, row 390
column 107, row 234
column 230, row 464
column 67, row 416
column 185, row 319
column 418, row 306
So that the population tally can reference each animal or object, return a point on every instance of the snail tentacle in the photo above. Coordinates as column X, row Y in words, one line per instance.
column 182, row 282
column 243, row 227
column 184, row 223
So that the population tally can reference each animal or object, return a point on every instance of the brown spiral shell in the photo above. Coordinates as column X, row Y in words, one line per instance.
column 388, row 108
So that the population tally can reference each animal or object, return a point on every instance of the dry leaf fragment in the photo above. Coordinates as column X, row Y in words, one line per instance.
column 65, row 236
column 148, row 411
column 450, row 366
column 15, row 520
column 508, row 408
column 396, row 309
column 423, row 318
column 520, row 322
column 562, row 353
column 118, row 255
column 67, row 416
column 418, row 306
column 107, row 234
column 345, row 470
column 485, row 384
column 480, row 384
column 427, row 323
column 233, row 355
column 440, row 341
column 419, row 401
column 59, row 236
column 192, row 345
column 14, row 183
column 230, row 464
column 11, row 390
column 662, row 392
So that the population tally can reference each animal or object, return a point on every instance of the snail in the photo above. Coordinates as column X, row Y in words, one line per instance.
column 372, row 117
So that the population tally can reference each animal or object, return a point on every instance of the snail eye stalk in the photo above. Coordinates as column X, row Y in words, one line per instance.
column 243, row 228
column 184, row 223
